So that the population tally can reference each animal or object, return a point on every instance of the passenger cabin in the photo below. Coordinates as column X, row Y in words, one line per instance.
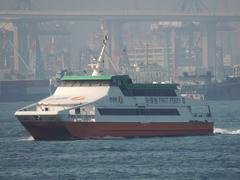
column 124, row 82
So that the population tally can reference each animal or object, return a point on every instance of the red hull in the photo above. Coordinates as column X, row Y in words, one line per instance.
column 81, row 130
column 45, row 130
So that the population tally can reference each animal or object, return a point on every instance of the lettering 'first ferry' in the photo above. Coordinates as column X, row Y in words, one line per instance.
column 97, row 106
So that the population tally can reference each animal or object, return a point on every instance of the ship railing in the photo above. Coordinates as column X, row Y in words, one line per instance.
column 80, row 115
column 201, row 114
column 31, row 107
column 201, row 111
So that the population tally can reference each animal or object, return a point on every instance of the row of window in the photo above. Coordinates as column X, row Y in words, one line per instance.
column 142, row 91
column 147, row 92
column 126, row 91
column 84, row 83
column 132, row 112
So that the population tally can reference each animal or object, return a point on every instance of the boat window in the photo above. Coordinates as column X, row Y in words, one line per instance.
column 119, row 82
column 147, row 112
column 77, row 110
column 114, row 82
column 148, row 92
column 129, row 81
column 74, row 84
column 105, row 83
column 63, row 83
column 84, row 83
column 77, row 84
column 70, row 83
column 93, row 83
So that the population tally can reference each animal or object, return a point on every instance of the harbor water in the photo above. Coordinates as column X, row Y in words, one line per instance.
column 197, row 157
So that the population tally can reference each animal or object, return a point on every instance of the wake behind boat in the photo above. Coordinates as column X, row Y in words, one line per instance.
column 104, row 105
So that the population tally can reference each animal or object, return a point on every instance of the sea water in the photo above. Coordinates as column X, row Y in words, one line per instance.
column 197, row 157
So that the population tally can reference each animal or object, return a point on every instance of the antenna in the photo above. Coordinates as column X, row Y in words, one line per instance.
column 96, row 66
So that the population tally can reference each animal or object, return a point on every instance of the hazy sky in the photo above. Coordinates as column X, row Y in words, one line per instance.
column 213, row 5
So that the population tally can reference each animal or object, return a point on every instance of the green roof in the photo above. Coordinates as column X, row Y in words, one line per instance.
column 124, row 79
column 76, row 78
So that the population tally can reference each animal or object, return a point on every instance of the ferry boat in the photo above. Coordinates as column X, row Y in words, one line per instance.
column 98, row 106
